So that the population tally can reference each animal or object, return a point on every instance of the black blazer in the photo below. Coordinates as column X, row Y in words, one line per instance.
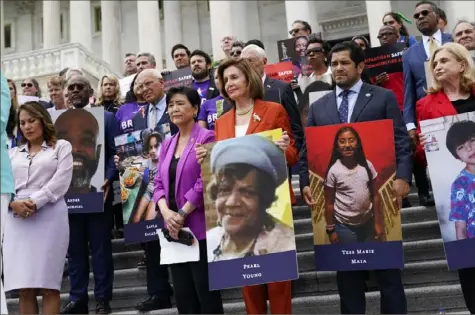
column 373, row 103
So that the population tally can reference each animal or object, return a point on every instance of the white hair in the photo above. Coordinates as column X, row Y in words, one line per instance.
column 152, row 72
column 70, row 73
column 261, row 53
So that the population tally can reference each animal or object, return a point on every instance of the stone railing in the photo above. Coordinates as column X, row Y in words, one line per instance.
column 44, row 63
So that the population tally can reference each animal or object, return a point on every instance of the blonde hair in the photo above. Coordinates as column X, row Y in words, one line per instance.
column 100, row 99
column 461, row 54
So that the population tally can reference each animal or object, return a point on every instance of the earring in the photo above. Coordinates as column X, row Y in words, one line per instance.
column 195, row 115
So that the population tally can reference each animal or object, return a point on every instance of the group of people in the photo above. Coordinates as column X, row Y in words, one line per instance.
column 233, row 100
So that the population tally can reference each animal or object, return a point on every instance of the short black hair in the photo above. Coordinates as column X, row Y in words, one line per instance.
column 442, row 15
column 255, row 42
column 238, row 43
column 180, row 46
column 130, row 54
column 356, row 53
column 315, row 39
column 459, row 133
column 62, row 73
column 432, row 4
column 305, row 24
column 201, row 53
column 191, row 94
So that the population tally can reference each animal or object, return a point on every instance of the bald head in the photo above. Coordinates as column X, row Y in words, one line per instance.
column 149, row 84
column 79, row 91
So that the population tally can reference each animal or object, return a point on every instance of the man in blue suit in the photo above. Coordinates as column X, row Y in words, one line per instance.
column 90, row 230
column 426, row 16
column 355, row 101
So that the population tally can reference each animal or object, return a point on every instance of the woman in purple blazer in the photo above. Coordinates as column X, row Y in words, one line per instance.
column 179, row 195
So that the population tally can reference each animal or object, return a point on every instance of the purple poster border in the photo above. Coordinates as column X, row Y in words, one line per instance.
column 253, row 270
column 359, row 256
column 460, row 254
column 142, row 232
column 92, row 202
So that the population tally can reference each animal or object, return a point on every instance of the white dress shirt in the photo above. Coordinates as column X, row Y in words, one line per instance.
column 352, row 97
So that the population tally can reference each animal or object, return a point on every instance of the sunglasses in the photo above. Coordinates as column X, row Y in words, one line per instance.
column 315, row 50
column 236, row 53
column 79, row 87
column 295, row 30
column 422, row 13
column 27, row 85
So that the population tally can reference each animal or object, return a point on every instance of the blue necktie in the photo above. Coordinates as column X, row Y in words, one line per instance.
column 343, row 110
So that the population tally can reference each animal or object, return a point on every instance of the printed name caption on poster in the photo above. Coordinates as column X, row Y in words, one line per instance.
column 74, row 203
column 152, row 227
column 251, row 275
column 358, row 252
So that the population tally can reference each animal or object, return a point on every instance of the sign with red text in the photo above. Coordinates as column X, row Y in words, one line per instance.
column 177, row 78
column 283, row 71
column 386, row 58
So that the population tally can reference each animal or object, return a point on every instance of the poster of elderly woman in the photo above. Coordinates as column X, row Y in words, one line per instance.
column 356, row 218
column 250, row 233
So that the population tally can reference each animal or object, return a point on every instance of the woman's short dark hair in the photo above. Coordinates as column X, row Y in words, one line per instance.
column 255, row 42
column 305, row 24
column 254, row 80
column 37, row 86
column 37, row 111
column 459, row 133
column 356, row 53
column 191, row 94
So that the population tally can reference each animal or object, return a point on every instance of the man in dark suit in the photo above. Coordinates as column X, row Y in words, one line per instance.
column 90, row 230
column 355, row 101
column 276, row 90
column 149, row 84
column 415, row 83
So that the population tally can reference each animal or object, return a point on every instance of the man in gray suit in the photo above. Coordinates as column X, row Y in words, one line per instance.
column 355, row 101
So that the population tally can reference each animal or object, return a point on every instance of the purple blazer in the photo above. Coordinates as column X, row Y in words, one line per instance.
column 189, row 186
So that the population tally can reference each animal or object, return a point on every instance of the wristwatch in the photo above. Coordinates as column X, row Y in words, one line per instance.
column 182, row 213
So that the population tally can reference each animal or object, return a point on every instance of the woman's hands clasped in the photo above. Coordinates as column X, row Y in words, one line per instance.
column 23, row 207
column 174, row 222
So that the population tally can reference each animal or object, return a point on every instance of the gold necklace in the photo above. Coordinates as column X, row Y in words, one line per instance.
column 245, row 111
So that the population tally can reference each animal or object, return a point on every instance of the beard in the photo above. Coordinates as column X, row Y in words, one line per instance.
column 83, row 173
column 200, row 75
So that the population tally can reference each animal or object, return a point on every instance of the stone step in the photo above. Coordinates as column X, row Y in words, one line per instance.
column 425, row 299
column 418, row 223
column 415, row 274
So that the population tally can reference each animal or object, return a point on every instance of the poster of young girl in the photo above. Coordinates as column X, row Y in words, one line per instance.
column 450, row 151
column 138, row 161
column 356, row 219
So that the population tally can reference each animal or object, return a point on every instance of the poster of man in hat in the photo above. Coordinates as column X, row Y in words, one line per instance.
column 250, row 232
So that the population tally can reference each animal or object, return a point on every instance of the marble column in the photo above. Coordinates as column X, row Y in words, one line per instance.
column 110, row 34
column 149, row 30
column 172, row 29
column 375, row 11
column 191, row 25
column 220, row 14
column 2, row 23
column 301, row 10
column 80, row 23
column 458, row 10
column 240, row 25
column 51, row 24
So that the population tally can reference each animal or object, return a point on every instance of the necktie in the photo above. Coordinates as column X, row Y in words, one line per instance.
column 153, row 118
column 432, row 46
column 343, row 110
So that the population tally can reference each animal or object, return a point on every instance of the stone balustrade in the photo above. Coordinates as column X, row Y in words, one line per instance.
column 45, row 63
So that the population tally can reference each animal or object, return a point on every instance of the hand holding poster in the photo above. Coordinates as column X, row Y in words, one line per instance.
column 180, row 77
column 280, row 71
column 84, row 129
column 251, row 242
column 449, row 148
column 386, row 58
column 138, row 153
column 356, row 219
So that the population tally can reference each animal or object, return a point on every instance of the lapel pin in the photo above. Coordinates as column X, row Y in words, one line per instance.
column 368, row 95
column 256, row 117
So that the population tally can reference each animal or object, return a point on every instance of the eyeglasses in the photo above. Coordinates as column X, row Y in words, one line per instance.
column 27, row 85
column 422, row 13
column 315, row 50
column 236, row 53
column 77, row 86
column 295, row 30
